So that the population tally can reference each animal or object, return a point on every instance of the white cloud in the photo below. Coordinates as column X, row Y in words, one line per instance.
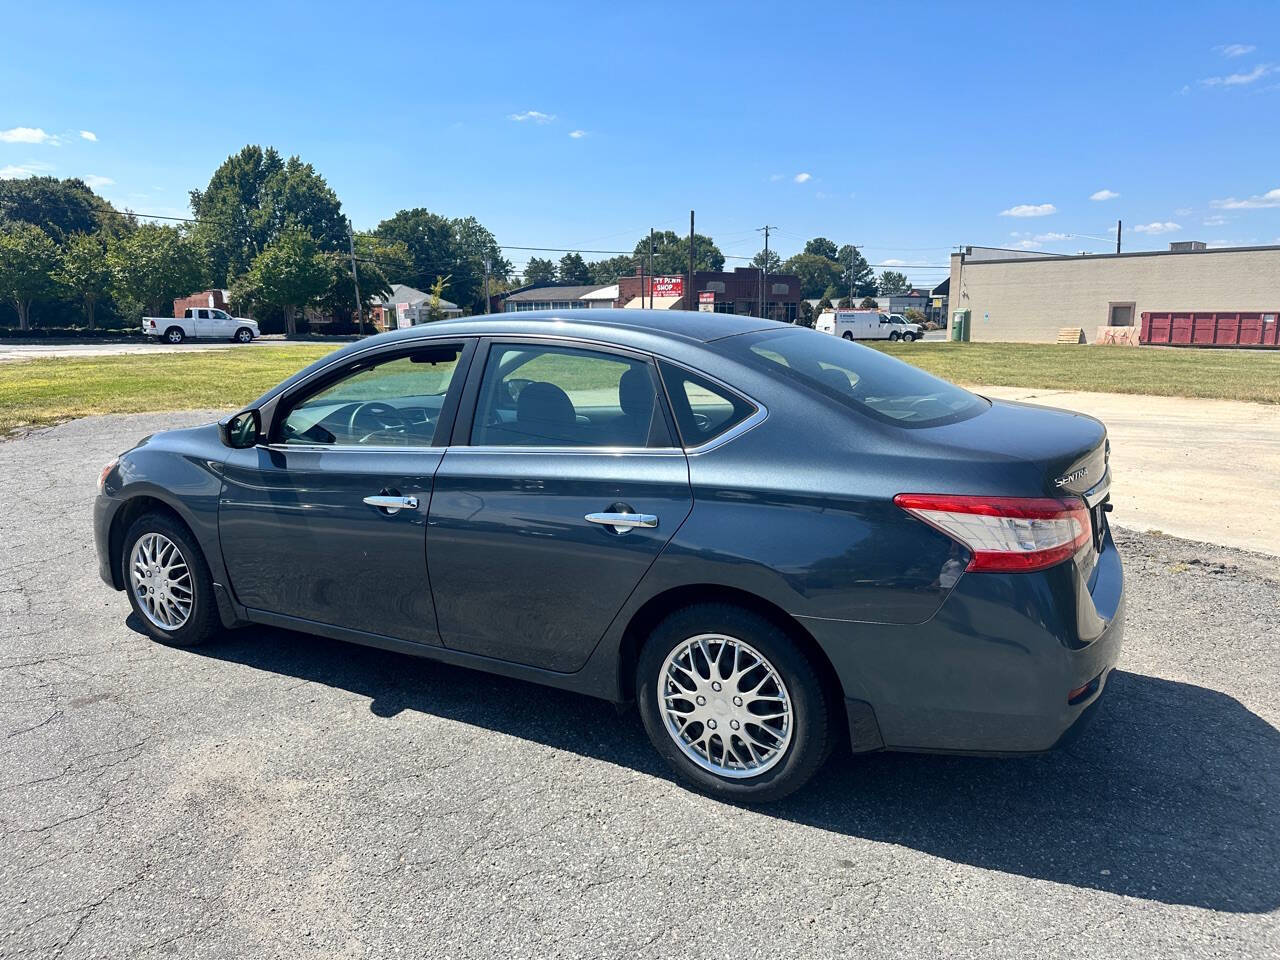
column 1269, row 199
column 1182, row 212
column 1166, row 226
column 96, row 181
column 16, row 171
column 88, row 135
column 1104, row 195
column 26, row 135
column 577, row 134
column 775, row 177
column 1235, row 49
column 537, row 116
column 803, row 177
column 1030, row 210
column 1240, row 79
column 894, row 263
column 1215, row 221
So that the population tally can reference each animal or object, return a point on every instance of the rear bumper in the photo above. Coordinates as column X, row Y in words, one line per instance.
column 992, row 672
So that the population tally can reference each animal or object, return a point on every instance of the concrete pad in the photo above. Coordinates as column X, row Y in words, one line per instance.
column 1206, row 470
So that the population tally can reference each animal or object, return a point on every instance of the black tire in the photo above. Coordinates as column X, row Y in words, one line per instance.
column 909, row 337
column 893, row 335
column 815, row 708
column 243, row 335
column 175, row 335
column 847, row 335
column 202, row 621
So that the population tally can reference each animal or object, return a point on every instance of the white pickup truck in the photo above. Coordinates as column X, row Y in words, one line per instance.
column 209, row 323
column 866, row 325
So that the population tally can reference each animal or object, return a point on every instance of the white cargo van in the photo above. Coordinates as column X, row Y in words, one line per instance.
column 858, row 325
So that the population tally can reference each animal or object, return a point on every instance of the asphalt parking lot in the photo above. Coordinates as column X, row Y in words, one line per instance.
column 279, row 795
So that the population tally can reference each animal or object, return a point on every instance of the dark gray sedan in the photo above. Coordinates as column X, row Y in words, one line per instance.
column 773, row 540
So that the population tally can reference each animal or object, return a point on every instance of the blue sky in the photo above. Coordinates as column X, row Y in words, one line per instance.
column 906, row 129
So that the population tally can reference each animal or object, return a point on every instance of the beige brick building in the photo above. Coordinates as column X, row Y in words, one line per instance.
column 1016, row 295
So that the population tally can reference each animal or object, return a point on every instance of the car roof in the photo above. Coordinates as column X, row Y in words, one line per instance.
column 611, row 325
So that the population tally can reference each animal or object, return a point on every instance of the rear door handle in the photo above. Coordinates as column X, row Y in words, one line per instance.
column 392, row 504
column 622, row 522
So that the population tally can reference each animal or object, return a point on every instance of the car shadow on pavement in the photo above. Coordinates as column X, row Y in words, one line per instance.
column 1172, row 794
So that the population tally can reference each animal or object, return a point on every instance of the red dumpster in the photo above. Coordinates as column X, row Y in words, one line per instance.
column 1211, row 329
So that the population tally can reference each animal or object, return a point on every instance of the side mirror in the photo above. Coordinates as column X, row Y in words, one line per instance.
column 241, row 430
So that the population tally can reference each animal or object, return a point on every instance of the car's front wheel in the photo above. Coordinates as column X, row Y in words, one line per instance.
column 909, row 337
column 168, row 581
column 733, row 704
column 175, row 335
column 244, row 335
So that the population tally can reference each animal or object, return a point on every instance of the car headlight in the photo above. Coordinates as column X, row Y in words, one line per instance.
column 102, row 477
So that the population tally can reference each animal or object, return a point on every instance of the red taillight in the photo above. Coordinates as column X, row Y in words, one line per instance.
column 1010, row 534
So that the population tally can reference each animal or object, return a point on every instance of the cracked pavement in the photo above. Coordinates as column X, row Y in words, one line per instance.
column 280, row 795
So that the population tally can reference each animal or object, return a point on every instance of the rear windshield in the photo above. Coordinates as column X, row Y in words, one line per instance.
column 859, row 377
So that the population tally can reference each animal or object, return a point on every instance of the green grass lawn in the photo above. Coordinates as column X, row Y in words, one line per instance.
column 50, row 390
column 42, row 391
column 1156, row 371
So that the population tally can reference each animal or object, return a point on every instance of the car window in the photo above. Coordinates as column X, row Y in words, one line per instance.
column 535, row 395
column 392, row 402
column 703, row 409
column 860, row 377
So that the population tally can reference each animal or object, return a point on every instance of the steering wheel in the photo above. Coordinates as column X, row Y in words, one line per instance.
column 382, row 416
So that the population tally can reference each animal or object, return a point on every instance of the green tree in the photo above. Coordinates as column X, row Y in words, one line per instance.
column 538, row 270
column 28, row 259
column 573, row 269
column 856, row 271
column 58, row 207
column 914, row 315
column 822, row 247
column 291, row 273
column 84, row 272
column 817, row 273
column 438, row 245
column 153, row 265
column 671, row 254
column 868, row 303
column 807, row 315
column 610, row 269
column 251, row 199
column 434, row 310
column 772, row 261
column 892, row 282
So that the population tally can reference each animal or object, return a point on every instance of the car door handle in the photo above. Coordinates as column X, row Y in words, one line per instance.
column 622, row 522
column 392, row 504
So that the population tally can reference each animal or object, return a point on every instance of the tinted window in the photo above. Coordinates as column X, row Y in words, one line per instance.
column 859, row 377
column 539, row 396
column 395, row 402
column 703, row 409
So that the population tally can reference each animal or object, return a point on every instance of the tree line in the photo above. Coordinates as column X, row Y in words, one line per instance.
column 272, row 231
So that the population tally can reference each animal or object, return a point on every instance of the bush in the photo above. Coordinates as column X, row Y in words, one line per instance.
column 68, row 333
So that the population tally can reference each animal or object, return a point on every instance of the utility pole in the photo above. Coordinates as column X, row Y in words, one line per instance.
column 486, row 284
column 764, row 276
column 1118, row 226
column 689, row 283
column 355, row 278
column 650, row 269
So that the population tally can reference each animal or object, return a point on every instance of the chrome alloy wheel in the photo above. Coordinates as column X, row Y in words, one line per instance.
column 725, row 706
column 161, row 581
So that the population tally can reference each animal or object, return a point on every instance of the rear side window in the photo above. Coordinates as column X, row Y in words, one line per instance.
column 536, row 396
column 703, row 410
column 859, row 377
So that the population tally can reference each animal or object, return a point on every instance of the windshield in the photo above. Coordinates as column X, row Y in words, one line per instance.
column 859, row 377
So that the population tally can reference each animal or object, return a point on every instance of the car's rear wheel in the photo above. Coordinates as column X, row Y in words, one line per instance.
column 733, row 704
column 847, row 335
column 244, row 335
column 893, row 335
column 168, row 581
column 175, row 335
